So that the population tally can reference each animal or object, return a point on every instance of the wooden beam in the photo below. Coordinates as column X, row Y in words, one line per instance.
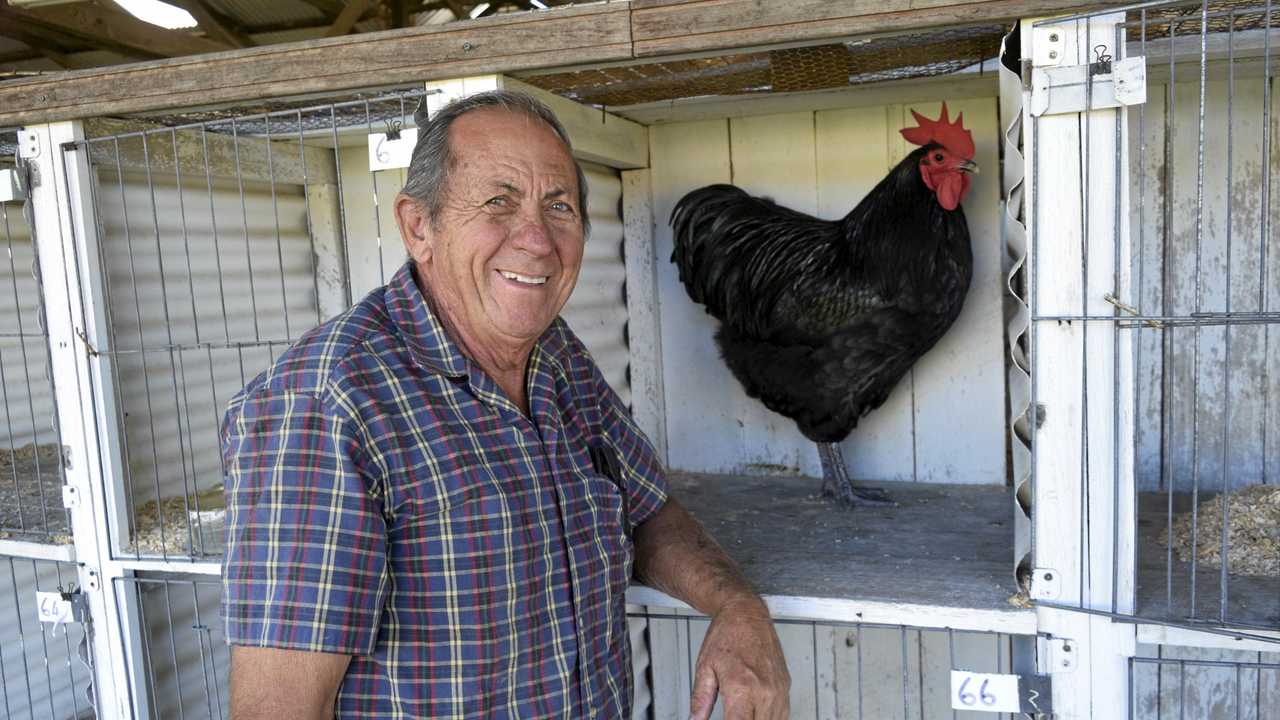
column 348, row 18
column 662, row 27
column 216, row 26
column 507, row 43
column 103, row 27
column 597, row 136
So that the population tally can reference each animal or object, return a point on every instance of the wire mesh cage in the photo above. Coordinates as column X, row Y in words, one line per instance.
column 1172, row 682
column 1173, row 338
column 181, row 659
column 31, row 475
column 1205, row 278
column 221, row 241
column 45, row 669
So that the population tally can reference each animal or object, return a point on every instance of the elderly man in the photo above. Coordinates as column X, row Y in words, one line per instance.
column 435, row 499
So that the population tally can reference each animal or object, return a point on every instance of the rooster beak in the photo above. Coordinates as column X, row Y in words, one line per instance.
column 968, row 166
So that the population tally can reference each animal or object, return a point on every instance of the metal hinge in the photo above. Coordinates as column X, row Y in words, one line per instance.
column 28, row 144
column 1046, row 584
column 1103, row 83
column 1063, row 654
column 70, row 497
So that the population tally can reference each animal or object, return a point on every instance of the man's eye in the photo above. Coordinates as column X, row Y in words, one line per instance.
column 561, row 206
column 496, row 201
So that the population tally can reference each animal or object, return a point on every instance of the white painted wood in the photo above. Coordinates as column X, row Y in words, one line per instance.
column 1164, row 635
column 66, row 242
column 1013, row 621
column 38, row 551
column 325, row 225
column 648, row 404
column 1083, row 475
column 823, row 163
column 374, row 248
column 598, row 136
column 702, row 426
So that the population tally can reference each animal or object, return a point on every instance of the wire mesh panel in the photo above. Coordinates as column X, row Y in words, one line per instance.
column 30, row 462
column 183, row 649
column 45, row 671
column 1206, row 280
column 1174, row 682
column 220, row 242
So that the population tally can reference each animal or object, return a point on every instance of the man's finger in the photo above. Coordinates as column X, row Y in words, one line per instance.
column 705, row 687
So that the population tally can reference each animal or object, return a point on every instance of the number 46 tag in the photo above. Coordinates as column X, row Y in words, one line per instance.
column 984, row 692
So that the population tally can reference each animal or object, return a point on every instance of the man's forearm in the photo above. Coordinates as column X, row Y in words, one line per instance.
column 675, row 554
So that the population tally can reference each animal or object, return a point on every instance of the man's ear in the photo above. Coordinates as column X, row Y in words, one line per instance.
column 415, row 228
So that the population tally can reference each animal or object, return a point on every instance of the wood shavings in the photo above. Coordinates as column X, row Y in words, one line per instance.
column 31, row 494
column 168, row 527
column 1253, row 532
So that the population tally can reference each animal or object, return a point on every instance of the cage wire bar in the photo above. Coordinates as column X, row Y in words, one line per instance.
column 31, row 473
column 1239, row 685
column 1200, row 308
column 46, row 670
column 221, row 241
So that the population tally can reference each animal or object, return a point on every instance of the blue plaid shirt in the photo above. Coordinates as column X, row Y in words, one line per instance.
column 387, row 501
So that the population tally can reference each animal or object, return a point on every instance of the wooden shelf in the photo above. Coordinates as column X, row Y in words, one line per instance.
column 942, row 558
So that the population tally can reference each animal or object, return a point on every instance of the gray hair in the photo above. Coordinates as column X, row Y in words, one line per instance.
column 428, row 175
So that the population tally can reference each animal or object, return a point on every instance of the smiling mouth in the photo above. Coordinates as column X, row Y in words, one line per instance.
column 524, row 279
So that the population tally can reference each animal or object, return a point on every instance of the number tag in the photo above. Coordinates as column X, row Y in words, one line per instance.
column 984, row 692
column 387, row 154
column 53, row 609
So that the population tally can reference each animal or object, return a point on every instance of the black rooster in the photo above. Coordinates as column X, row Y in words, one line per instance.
column 821, row 318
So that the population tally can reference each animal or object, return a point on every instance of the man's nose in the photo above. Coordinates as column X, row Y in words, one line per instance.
column 532, row 233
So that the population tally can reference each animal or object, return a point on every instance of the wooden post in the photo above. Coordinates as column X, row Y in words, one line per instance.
column 1077, row 177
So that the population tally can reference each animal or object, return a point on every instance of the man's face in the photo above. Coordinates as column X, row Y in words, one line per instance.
column 503, row 254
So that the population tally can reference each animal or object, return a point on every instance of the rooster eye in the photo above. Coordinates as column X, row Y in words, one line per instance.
column 937, row 157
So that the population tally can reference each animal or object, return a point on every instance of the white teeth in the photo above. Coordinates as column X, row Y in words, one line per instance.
column 526, row 279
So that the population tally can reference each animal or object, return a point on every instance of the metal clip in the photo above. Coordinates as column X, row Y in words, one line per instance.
column 393, row 129
column 1102, row 62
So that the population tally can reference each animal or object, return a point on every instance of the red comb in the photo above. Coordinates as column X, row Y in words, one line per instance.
column 949, row 135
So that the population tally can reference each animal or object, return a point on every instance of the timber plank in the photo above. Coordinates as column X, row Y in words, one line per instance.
column 548, row 39
column 663, row 27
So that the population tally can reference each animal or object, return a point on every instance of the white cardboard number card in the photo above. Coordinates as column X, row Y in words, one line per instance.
column 984, row 692
column 53, row 609
column 387, row 154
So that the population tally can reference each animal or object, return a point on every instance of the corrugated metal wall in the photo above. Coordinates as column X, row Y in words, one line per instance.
column 206, row 286
column 1225, row 415
column 41, row 672
column 26, row 397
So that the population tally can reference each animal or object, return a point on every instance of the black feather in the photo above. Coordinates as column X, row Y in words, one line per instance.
column 821, row 318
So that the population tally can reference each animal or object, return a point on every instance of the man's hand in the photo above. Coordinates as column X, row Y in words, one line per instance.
column 741, row 658
column 741, row 661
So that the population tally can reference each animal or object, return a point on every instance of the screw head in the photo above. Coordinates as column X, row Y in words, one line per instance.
column 1053, row 55
column 1048, row 576
column 467, row 47
column 1053, row 37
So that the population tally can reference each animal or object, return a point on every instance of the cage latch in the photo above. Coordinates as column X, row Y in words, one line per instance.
column 1098, row 85
column 1046, row 584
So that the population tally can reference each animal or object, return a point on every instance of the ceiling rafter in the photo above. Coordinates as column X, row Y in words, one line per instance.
column 109, row 29
column 214, row 24
column 350, row 15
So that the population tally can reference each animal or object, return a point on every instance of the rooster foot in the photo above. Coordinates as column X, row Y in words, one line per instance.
column 837, row 485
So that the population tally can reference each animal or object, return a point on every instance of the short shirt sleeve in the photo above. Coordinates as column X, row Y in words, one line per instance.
column 305, row 565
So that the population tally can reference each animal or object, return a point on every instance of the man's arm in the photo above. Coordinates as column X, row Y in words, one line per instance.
column 275, row 684
column 741, row 658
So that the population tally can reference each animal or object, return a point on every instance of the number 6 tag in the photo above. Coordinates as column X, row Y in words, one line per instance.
column 984, row 692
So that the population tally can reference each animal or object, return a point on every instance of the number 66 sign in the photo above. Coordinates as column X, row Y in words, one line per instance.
column 984, row 692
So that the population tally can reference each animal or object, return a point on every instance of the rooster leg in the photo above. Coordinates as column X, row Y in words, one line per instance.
column 837, row 485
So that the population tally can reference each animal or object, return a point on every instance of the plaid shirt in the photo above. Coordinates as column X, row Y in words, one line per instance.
column 387, row 501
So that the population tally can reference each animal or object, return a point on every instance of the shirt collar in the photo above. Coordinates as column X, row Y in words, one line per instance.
column 420, row 328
